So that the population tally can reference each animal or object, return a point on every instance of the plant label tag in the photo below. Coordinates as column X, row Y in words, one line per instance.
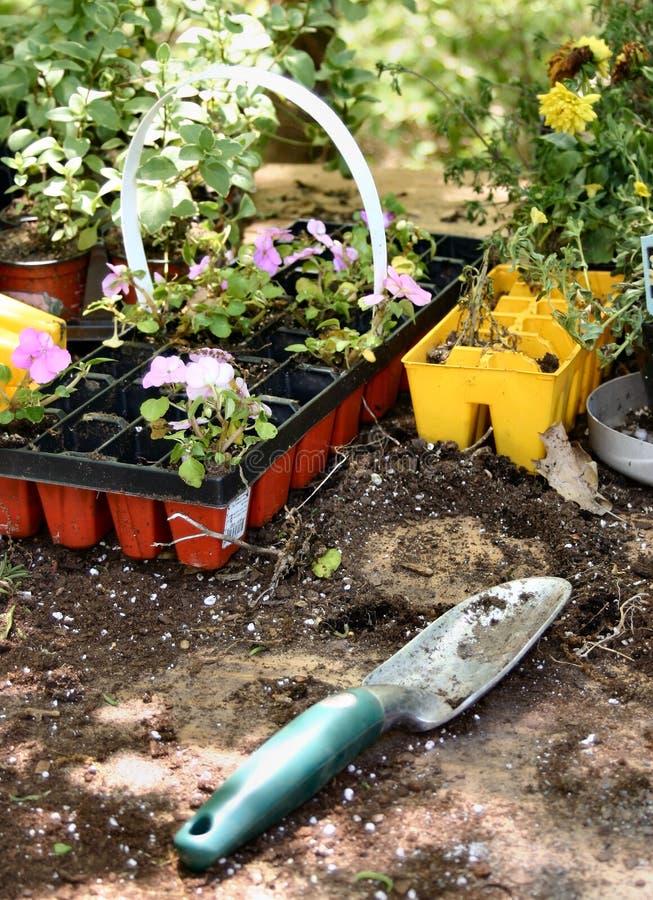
column 236, row 518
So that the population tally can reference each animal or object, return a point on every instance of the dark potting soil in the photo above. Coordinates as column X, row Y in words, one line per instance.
column 25, row 243
column 129, row 690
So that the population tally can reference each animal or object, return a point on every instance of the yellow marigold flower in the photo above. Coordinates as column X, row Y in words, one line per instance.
column 565, row 111
column 537, row 216
column 601, row 53
column 641, row 189
column 592, row 189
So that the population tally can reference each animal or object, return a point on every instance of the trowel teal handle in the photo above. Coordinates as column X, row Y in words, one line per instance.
column 281, row 775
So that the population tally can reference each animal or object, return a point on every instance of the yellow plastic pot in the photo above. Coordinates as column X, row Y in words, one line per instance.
column 16, row 315
column 455, row 400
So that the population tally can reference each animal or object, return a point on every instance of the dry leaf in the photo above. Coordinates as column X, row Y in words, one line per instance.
column 571, row 471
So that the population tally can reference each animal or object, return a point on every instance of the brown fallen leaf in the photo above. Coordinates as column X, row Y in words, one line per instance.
column 571, row 471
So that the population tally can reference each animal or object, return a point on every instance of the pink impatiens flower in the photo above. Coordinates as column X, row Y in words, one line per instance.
column 342, row 256
column 405, row 286
column 388, row 217
column 304, row 253
column 318, row 229
column 371, row 300
column 38, row 353
column 266, row 256
column 206, row 375
column 199, row 268
column 165, row 370
column 115, row 282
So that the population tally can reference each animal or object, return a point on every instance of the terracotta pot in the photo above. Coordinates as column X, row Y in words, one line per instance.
column 348, row 416
column 141, row 525
column 313, row 452
column 64, row 279
column 21, row 513
column 381, row 391
column 270, row 491
column 76, row 517
column 193, row 547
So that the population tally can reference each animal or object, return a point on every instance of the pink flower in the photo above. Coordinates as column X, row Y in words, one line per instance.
column 342, row 256
column 38, row 353
column 318, row 229
column 392, row 282
column 304, row 253
column 165, row 370
column 388, row 217
column 405, row 286
column 199, row 268
column 266, row 256
column 158, row 278
column 371, row 300
column 115, row 282
column 207, row 374
column 241, row 387
column 216, row 352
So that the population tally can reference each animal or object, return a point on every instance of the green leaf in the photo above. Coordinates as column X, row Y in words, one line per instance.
column 216, row 176
column 296, row 348
column 155, row 204
column 157, row 168
column 325, row 565
column 220, row 327
column 28, row 798
column 380, row 877
column 265, row 430
column 148, row 326
column 155, row 408
column 6, row 622
column 104, row 113
column 192, row 472
column 60, row 849
column 110, row 700
column 88, row 238
column 300, row 66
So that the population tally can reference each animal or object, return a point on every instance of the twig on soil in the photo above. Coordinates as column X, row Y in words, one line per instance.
column 627, row 610
column 343, row 459
column 295, row 546
column 472, row 447
column 266, row 551
column 378, row 425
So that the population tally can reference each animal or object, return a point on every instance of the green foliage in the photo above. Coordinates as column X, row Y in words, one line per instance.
column 209, row 427
column 11, row 577
column 463, row 47
column 28, row 402
column 75, row 78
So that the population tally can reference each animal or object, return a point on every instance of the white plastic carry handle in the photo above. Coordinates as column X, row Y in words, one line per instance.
column 647, row 248
column 302, row 97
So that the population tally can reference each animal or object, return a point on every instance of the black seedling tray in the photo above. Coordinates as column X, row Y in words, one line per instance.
column 102, row 443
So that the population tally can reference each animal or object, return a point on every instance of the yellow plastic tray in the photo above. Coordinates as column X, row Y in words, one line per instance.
column 16, row 315
column 455, row 400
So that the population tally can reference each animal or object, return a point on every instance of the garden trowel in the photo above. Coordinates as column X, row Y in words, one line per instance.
column 434, row 677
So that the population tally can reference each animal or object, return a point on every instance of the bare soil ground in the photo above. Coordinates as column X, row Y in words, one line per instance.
column 130, row 690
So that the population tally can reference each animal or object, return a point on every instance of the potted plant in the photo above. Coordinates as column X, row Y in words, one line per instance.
column 205, row 410
column 499, row 357
column 76, row 84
